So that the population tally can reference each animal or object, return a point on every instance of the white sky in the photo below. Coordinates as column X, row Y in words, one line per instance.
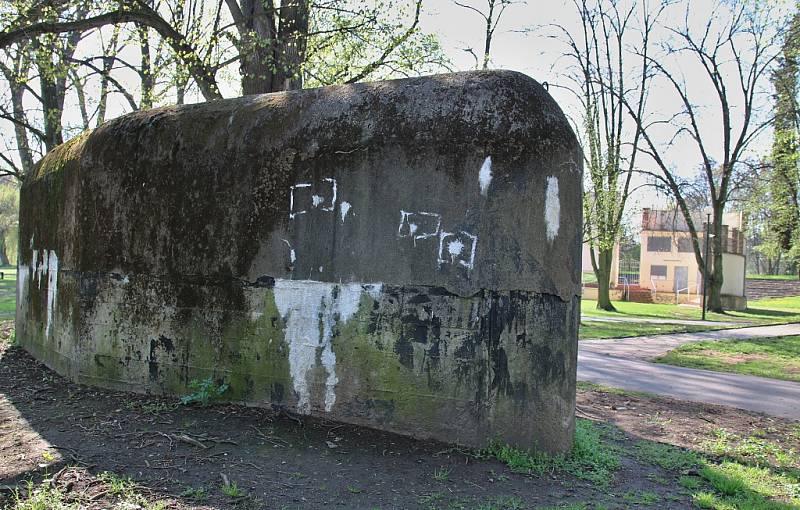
column 537, row 55
column 540, row 56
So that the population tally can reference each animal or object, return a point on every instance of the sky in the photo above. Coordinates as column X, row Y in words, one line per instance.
column 522, row 43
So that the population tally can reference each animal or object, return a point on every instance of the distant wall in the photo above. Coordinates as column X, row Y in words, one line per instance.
column 733, row 273
column 763, row 288
column 402, row 254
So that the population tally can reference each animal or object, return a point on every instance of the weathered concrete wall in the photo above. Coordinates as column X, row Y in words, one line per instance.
column 403, row 254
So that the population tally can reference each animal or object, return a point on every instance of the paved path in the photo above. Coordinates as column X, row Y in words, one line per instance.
column 649, row 347
column 647, row 320
column 622, row 364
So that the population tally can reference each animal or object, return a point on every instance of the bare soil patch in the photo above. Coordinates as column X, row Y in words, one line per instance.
column 177, row 456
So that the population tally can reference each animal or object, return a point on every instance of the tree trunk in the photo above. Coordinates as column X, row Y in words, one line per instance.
column 52, row 101
column 714, row 303
column 23, row 147
column 602, row 270
column 146, row 71
column 291, row 48
column 3, row 248
column 257, row 64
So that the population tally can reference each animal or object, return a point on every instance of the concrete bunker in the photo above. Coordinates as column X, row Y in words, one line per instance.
column 403, row 255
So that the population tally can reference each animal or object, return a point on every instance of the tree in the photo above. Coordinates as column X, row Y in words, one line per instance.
column 784, row 220
column 9, row 212
column 188, row 45
column 733, row 52
column 604, row 80
column 491, row 18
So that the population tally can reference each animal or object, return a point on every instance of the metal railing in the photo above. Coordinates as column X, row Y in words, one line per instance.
column 626, row 288
column 688, row 295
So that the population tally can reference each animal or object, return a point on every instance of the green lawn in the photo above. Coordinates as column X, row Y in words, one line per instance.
column 776, row 358
column 8, row 293
column 626, row 329
column 772, row 277
column 762, row 312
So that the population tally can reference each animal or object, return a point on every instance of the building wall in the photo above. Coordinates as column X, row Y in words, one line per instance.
column 670, row 260
column 733, row 274
column 733, row 266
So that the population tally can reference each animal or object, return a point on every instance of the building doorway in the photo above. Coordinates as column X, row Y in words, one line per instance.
column 681, row 278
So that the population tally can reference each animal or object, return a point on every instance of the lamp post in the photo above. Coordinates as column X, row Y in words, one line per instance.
column 705, row 263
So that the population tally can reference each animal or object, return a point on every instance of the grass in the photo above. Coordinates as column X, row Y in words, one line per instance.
column 8, row 293
column 593, row 330
column 666, row 456
column 772, row 277
column 763, row 311
column 232, row 490
column 759, row 313
column 441, row 475
column 775, row 358
column 592, row 458
column 739, row 473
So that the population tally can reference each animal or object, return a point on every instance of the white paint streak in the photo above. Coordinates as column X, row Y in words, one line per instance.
column 22, row 277
column 292, row 255
column 292, row 212
column 311, row 309
column 52, row 289
column 35, row 264
column 552, row 208
column 316, row 200
column 333, row 199
column 485, row 175
column 344, row 208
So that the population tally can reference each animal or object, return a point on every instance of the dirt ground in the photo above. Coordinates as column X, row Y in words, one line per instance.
column 178, row 456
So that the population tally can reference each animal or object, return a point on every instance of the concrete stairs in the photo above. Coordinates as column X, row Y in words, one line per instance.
column 639, row 295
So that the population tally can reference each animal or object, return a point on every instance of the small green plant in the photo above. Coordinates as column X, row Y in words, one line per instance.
column 197, row 494
column 591, row 458
column 689, row 482
column 653, row 477
column 232, row 490
column 642, row 498
column 44, row 497
column 117, row 485
column 354, row 490
column 441, row 475
column 500, row 477
column 204, row 392
column 666, row 456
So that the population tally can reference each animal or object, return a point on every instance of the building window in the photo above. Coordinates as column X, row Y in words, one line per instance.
column 658, row 272
column 662, row 244
column 685, row 245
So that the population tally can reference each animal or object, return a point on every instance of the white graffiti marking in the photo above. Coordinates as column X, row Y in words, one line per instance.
column 455, row 243
column 552, row 208
column 485, row 175
column 419, row 225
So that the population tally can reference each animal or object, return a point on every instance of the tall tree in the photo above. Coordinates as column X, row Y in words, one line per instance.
column 187, row 45
column 733, row 53
column 605, row 78
column 784, row 219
